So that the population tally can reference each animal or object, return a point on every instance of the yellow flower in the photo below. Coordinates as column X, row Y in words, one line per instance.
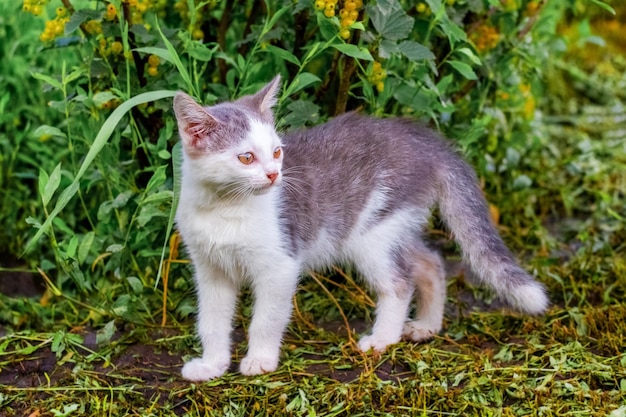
column 154, row 60
column 93, row 27
column 111, row 12
column 197, row 34
column 349, row 5
column 116, row 47
column 485, row 37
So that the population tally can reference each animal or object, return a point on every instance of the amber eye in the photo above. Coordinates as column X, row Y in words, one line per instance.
column 277, row 152
column 246, row 158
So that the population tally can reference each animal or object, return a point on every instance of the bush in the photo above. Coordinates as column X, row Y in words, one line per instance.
column 105, row 143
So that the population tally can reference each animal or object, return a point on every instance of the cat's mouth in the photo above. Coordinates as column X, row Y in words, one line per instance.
column 266, row 187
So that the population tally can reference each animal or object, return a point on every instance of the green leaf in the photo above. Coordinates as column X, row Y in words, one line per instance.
column 604, row 6
column 46, row 131
column 74, row 75
column 464, row 69
column 122, row 305
column 158, row 197
column 136, row 284
column 85, row 246
column 302, row 81
column 277, row 15
column 79, row 17
column 300, row 113
column 162, row 53
column 105, row 334
column 102, row 97
column 390, row 20
column 58, row 343
column 326, row 27
column 46, row 78
column 354, row 51
column 470, row 54
column 71, row 247
column 415, row 51
column 43, row 182
column 148, row 212
column 101, row 139
column 164, row 154
column 51, row 185
column 435, row 6
column 201, row 51
column 157, row 179
column 452, row 31
column 114, row 248
column 387, row 48
column 282, row 54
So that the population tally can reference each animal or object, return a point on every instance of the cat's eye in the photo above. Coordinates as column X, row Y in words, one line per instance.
column 246, row 158
column 278, row 152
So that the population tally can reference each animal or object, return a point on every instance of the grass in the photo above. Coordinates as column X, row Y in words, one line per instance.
column 486, row 363
column 112, row 341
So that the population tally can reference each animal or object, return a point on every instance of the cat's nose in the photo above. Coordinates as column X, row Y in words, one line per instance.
column 272, row 176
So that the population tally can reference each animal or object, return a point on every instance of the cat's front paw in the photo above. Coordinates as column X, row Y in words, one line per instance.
column 200, row 369
column 258, row 365
column 375, row 344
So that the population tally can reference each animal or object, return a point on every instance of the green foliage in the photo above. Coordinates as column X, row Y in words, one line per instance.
column 89, row 164
column 427, row 64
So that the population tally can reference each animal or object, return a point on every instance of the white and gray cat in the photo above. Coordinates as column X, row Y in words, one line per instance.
column 258, row 209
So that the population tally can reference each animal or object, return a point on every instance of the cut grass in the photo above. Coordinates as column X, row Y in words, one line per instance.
column 485, row 364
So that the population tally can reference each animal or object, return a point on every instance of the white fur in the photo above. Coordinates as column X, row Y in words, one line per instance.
column 233, row 241
column 530, row 297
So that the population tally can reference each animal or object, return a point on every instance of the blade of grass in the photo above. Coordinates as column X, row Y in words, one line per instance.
column 177, row 159
column 175, row 59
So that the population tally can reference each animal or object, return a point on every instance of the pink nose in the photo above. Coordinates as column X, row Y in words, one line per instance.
column 272, row 176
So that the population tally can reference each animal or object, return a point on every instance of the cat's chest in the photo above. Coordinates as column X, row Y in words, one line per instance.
column 230, row 233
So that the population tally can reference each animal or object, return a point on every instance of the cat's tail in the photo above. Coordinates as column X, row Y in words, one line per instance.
column 465, row 211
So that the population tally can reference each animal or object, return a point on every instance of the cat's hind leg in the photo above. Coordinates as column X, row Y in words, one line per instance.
column 428, row 273
column 394, row 292
column 392, row 307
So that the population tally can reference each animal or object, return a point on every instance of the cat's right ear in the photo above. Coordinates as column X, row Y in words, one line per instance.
column 195, row 124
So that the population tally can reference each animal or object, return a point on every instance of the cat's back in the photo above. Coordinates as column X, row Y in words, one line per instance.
column 338, row 170
column 354, row 149
column 362, row 142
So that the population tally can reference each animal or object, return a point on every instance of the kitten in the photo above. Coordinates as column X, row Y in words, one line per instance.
column 259, row 209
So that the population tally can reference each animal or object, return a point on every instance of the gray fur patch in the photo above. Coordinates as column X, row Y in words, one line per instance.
column 233, row 125
column 334, row 168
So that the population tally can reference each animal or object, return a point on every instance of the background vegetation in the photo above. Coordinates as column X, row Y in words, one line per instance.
column 532, row 91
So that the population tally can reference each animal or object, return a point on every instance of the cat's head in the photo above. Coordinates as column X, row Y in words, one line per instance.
column 232, row 146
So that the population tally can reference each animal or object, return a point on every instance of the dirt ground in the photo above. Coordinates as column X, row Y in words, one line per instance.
column 152, row 366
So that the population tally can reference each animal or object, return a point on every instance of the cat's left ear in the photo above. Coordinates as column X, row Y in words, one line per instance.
column 265, row 99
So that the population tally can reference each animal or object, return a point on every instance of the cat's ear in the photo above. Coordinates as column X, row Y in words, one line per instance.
column 265, row 99
column 195, row 124
column 268, row 95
